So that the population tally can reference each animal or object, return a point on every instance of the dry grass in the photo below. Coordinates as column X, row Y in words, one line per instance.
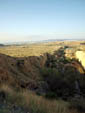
column 6, row 88
column 38, row 104
column 34, row 103
column 29, row 50
column 36, row 49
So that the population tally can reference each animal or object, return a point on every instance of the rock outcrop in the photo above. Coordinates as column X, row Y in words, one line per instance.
column 80, row 55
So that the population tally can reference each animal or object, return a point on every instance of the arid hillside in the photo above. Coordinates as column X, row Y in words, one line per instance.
column 41, row 48
column 20, row 71
column 49, row 70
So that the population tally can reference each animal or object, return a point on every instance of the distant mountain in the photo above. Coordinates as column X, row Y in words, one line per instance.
column 38, row 41
column 1, row 45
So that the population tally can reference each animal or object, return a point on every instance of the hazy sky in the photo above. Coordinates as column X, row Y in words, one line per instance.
column 41, row 19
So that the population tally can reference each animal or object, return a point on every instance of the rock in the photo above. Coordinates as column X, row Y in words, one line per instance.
column 80, row 55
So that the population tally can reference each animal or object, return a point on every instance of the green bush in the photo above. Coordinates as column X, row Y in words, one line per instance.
column 50, row 75
column 57, row 85
column 51, row 95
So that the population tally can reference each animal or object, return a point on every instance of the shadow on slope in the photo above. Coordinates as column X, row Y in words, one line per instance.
column 50, row 75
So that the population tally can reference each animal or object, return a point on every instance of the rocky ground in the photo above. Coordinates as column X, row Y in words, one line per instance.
column 8, row 108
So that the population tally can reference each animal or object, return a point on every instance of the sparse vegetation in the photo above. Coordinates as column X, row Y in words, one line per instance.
column 30, row 101
column 40, row 78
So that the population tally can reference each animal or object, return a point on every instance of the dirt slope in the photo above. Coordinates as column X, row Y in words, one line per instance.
column 20, row 70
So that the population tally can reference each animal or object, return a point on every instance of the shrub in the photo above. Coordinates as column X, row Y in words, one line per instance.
column 50, row 75
column 51, row 95
column 58, row 87
column 78, row 103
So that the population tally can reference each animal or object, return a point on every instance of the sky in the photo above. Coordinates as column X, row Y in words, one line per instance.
column 24, row 20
